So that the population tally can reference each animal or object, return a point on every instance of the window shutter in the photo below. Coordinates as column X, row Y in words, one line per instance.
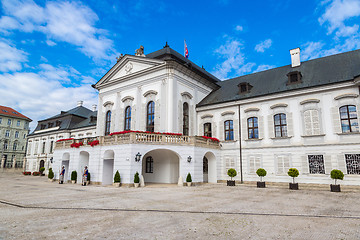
column 304, row 165
column 121, row 120
column 328, row 164
column 214, row 130
column 157, row 116
column 289, row 122
column 232, row 163
column 271, row 126
column 341, row 163
column 279, row 164
column 261, row 127
column 181, row 117
column 236, row 129
column 251, row 164
column 257, row 164
column 201, row 129
column 143, row 117
column 307, row 123
column 192, row 121
column 227, row 164
column 133, row 117
column 244, row 130
column 336, row 120
column 315, row 122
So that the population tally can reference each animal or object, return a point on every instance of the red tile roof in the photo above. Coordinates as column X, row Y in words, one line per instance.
column 7, row 111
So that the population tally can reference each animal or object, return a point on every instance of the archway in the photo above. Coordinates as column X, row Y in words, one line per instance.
column 209, row 160
column 161, row 166
column 65, row 161
column 108, row 167
column 42, row 164
column 83, row 161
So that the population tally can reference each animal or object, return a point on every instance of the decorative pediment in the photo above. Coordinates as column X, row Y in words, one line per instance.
column 186, row 94
column 347, row 95
column 227, row 113
column 310, row 100
column 278, row 105
column 150, row 92
column 108, row 103
column 127, row 98
column 252, row 110
column 206, row 116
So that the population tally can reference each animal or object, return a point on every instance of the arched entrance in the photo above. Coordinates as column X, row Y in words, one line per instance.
column 160, row 166
column 209, row 168
column 83, row 161
column 42, row 164
column 108, row 167
column 65, row 161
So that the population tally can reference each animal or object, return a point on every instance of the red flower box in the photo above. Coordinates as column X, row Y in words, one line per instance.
column 129, row 131
column 93, row 143
column 36, row 173
column 76, row 145
column 211, row 138
column 64, row 139
column 27, row 173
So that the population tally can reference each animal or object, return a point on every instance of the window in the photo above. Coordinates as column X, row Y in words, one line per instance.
column 229, row 163
column 24, row 135
column 150, row 116
column 294, row 77
column 36, row 148
column 50, row 125
column 352, row 163
column 107, row 122
column 51, row 146
column 57, row 123
column 316, row 164
column 254, row 164
column 9, row 122
column 43, row 147
column 280, row 125
column 244, row 87
column 6, row 145
column 312, row 122
column 42, row 126
column 253, row 128
column 186, row 119
column 7, row 133
column 229, row 130
column 207, row 130
column 18, row 123
column 29, row 148
column 0, row 120
column 149, row 165
column 349, row 121
column 15, row 146
column 283, row 164
column 127, row 118
column 16, row 134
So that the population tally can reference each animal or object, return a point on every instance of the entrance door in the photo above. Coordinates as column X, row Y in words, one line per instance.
column 42, row 164
column 205, row 169
column 66, row 164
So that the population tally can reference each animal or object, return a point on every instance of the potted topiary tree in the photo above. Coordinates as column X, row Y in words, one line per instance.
column 88, row 179
column 261, row 173
column 51, row 175
column 136, row 180
column 232, row 173
column 293, row 172
column 117, row 179
column 73, row 177
column 188, row 180
column 42, row 169
column 336, row 174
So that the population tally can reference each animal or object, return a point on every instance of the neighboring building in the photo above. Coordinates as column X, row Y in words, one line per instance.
column 14, row 128
column 303, row 115
column 78, row 122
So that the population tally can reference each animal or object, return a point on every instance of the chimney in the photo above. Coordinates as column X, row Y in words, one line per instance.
column 80, row 103
column 295, row 57
column 94, row 106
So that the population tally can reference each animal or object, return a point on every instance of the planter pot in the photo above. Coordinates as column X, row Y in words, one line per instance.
column 294, row 186
column 42, row 174
column 136, row 185
column 188, row 184
column 50, row 180
column 73, row 181
column 230, row 182
column 260, row 184
column 117, row 184
column 335, row 188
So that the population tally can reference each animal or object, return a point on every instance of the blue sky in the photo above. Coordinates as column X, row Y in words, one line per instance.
column 52, row 51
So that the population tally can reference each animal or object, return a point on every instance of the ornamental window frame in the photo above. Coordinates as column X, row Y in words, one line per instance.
column 352, row 162
column 127, row 118
column 316, row 163
column 186, row 119
column 229, row 130
column 255, row 129
column 280, row 125
column 349, row 119
column 150, row 116
column 207, row 129
column 149, row 165
column 107, row 122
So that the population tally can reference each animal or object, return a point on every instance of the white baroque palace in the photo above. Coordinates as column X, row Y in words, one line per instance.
column 154, row 111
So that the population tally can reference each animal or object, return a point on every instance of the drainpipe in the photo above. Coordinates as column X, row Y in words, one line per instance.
column 241, row 170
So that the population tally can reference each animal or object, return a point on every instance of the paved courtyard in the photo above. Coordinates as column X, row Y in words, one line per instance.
column 33, row 208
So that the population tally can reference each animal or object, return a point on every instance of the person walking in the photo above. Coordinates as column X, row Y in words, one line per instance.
column 62, row 174
column 85, row 176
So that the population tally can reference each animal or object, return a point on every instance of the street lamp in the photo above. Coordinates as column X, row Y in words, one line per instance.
column 137, row 157
column 189, row 159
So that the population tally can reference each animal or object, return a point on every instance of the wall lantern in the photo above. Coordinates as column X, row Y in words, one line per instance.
column 51, row 160
column 137, row 157
column 189, row 159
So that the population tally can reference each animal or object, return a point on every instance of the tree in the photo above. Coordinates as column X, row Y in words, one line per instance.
column 261, row 173
column 232, row 173
column 293, row 172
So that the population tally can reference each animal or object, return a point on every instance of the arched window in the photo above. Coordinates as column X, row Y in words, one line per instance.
column 149, row 165
column 229, row 130
column 185, row 119
column 127, row 125
column 349, row 121
column 253, row 128
column 15, row 146
column 207, row 130
column 150, row 116
column 107, row 122
column 280, row 125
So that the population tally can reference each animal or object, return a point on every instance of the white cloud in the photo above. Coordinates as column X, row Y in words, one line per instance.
column 239, row 28
column 311, row 50
column 70, row 22
column 263, row 45
column 11, row 58
column 264, row 67
column 50, row 43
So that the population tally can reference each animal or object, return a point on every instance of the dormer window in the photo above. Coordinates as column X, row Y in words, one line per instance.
column 294, row 77
column 50, row 125
column 244, row 87
column 42, row 126
column 58, row 123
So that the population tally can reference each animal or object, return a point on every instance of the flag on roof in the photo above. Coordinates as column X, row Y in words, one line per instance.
column 186, row 52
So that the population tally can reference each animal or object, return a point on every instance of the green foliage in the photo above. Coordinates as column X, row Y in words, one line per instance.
column 136, row 178
column 261, row 172
column 337, row 174
column 232, row 173
column 42, row 169
column 73, row 176
column 293, row 172
column 188, row 178
column 88, row 178
column 117, row 177
column 51, row 174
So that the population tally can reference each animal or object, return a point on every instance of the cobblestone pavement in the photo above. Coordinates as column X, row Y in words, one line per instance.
column 34, row 208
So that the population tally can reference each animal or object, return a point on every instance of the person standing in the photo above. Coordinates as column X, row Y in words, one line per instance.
column 85, row 176
column 62, row 174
